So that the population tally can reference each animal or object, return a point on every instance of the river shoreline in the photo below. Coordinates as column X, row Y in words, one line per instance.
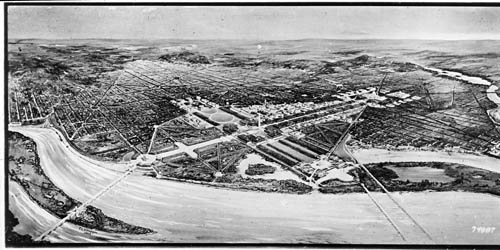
column 24, row 169
column 491, row 93
column 193, row 216
column 365, row 156
column 187, row 212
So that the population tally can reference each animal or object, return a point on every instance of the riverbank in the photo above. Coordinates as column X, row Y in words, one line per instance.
column 461, row 172
column 491, row 93
column 367, row 156
column 24, row 169
column 413, row 177
column 292, row 184
column 59, row 137
column 187, row 169
column 183, row 212
column 11, row 236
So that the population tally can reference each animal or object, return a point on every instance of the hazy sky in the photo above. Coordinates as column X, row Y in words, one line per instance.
column 267, row 23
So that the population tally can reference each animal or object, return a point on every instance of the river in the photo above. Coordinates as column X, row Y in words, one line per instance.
column 367, row 156
column 183, row 212
column 490, row 92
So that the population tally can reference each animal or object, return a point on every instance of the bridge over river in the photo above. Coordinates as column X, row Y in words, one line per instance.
column 183, row 212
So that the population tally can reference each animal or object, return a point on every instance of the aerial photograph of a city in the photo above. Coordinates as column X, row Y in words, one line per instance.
column 228, row 124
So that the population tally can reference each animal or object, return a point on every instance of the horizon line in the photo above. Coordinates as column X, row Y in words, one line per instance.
column 263, row 40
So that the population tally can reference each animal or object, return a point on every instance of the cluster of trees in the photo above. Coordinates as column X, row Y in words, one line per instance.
column 185, row 56
column 229, row 128
column 251, row 138
column 205, row 118
column 272, row 131
column 259, row 169
column 265, row 185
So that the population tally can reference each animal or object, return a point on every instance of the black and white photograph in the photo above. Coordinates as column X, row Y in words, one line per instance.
column 251, row 124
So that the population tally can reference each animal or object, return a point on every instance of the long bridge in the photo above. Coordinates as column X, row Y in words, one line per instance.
column 341, row 143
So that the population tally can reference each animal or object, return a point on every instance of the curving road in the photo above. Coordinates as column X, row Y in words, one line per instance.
column 182, row 212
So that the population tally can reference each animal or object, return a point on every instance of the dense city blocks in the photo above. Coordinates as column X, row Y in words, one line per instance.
column 310, row 141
